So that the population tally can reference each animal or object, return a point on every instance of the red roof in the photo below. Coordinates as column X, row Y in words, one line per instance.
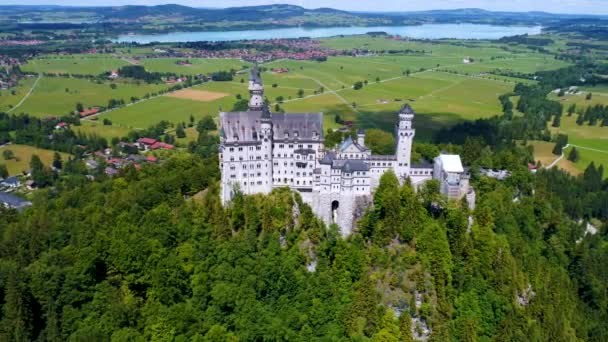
column 62, row 124
column 146, row 141
column 89, row 111
column 114, row 161
column 159, row 144
column 151, row 159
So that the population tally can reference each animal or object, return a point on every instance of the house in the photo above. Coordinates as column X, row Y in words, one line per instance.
column 92, row 164
column 61, row 125
column 145, row 143
column 161, row 145
column 454, row 181
column 110, row 171
column 113, row 75
column 13, row 202
column 151, row 159
column 11, row 182
column 89, row 111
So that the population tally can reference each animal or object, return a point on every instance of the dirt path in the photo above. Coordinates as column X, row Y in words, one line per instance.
column 26, row 95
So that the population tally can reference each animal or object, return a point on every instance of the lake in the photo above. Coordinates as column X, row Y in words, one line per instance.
column 426, row 31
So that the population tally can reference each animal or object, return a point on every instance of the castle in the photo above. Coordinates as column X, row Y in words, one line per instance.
column 260, row 151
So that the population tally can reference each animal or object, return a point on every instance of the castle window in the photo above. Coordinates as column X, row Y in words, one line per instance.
column 290, row 146
column 232, row 149
column 240, row 149
column 231, row 158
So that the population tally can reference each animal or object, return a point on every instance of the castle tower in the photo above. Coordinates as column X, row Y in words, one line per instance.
column 266, row 138
column 404, row 136
column 256, row 90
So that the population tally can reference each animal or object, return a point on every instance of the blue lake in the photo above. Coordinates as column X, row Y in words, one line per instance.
column 426, row 31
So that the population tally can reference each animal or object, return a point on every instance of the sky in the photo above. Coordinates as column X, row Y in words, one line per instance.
column 554, row 6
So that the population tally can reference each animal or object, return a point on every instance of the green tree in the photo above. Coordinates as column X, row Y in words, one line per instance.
column 57, row 162
column 8, row 154
column 556, row 121
column 206, row 124
column 179, row 131
column 300, row 93
column 379, row 141
column 574, row 155
column 240, row 106
column 3, row 171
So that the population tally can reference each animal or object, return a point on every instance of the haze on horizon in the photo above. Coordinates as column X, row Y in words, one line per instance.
column 555, row 6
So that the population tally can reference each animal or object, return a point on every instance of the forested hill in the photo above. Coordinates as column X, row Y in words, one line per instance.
column 137, row 258
column 177, row 17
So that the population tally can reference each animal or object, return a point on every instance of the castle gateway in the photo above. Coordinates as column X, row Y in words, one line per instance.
column 260, row 151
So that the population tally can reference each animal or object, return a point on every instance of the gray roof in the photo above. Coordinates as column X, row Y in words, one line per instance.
column 13, row 201
column 407, row 109
column 349, row 141
column 424, row 164
column 245, row 126
column 350, row 165
column 328, row 159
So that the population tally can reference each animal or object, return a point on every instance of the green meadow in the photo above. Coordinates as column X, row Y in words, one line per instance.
column 198, row 65
column 175, row 110
column 75, row 64
column 23, row 155
column 9, row 100
column 59, row 95
column 96, row 127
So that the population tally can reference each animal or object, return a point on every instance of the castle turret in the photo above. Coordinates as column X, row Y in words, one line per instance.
column 404, row 136
column 256, row 90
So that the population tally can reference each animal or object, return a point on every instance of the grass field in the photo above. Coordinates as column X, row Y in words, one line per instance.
column 59, row 95
column 96, row 127
column 23, row 154
column 440, row 98
column 77, row 64
column 8, row 100
column 198, row 65
column 591, row 141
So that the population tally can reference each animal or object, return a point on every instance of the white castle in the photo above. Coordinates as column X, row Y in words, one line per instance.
column 260, row 151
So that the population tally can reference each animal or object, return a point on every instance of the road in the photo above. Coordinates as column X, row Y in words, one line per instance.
column 26, row 95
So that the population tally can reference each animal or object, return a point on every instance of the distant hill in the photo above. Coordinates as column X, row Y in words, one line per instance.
column 173, row 17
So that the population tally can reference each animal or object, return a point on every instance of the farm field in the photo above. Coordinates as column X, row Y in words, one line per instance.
column 461, row 49
column 8, row 100
column 77, row 64
column 168, row 108
column 59, row 95
column 198, row 65
column 23, row 154
column 440, row 98
column 591, row 141
column 543, row 153
column 96, row 127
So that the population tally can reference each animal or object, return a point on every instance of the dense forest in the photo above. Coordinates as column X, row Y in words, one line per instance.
column 151, row 255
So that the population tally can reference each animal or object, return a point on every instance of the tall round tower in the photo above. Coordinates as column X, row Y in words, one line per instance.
column 404, row 136
column 256, row 90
